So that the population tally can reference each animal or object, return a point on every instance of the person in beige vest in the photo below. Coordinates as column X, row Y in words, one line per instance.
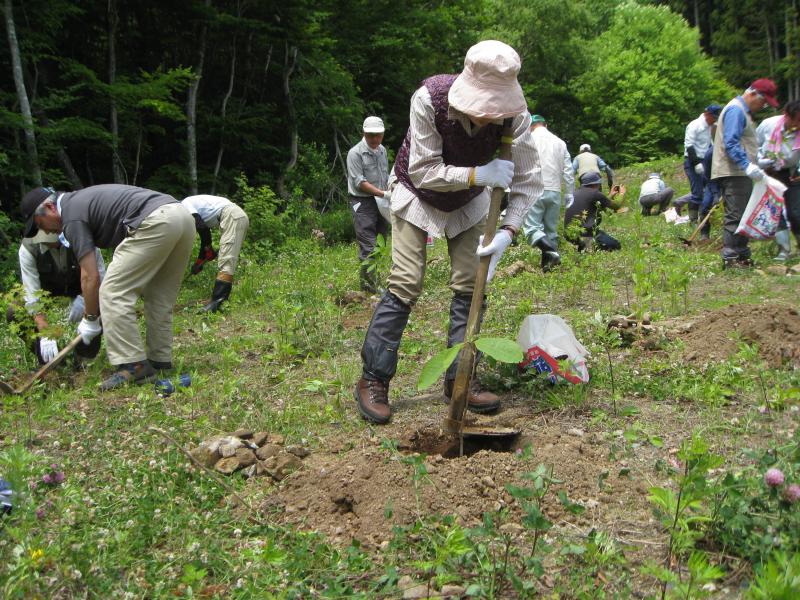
column 588, row 162
column 734, row 164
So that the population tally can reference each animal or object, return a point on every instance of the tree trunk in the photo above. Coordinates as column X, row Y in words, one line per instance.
column 22, row 95
column 139, row 139
column 289, row 64
column 223, row 114
column 63, row 157
column 191, row 110
column 113, row 22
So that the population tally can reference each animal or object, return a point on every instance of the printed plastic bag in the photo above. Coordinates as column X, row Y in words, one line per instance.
column 547, row 339
column 760, row 218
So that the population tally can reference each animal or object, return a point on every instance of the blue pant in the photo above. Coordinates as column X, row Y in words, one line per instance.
column 711, row 196
column 696, row 182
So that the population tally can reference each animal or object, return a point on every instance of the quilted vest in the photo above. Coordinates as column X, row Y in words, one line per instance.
column 458, row 148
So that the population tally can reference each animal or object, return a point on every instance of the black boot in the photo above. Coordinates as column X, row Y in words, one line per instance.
column 222, row 289
column 550, row 256
column 693, row 212
column 459, row 314
column 382, row 341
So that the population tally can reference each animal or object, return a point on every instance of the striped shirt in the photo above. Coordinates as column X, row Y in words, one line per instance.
column 427, row 170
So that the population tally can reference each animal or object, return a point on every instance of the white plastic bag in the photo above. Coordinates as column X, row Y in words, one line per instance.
column 547, row 339
column 384, row 207
column 671, row 215
column 764, row 209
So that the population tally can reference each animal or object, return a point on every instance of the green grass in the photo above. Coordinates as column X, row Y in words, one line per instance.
column 133, row 520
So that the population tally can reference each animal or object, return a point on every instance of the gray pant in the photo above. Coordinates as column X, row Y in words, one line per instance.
column 660, row 199
column 368, row 223
column 542, row 219
column 736, row 192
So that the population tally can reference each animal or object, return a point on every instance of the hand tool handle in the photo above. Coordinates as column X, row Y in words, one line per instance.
column 51, row 365
column 454, row 423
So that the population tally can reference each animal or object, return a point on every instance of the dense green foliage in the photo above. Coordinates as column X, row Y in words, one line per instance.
column 179, row 96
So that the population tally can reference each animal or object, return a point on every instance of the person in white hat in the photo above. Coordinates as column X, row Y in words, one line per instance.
column 47, row 266
column 587, row 161
column 442, row 179
column 368, row 179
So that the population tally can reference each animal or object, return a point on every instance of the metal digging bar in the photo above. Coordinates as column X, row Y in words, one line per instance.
column 454, row 422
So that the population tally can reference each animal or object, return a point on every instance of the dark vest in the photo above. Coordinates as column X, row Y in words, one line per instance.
column 458, row 148
column 58, row 283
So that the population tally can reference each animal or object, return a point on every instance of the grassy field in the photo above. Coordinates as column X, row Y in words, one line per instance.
column 648, row 480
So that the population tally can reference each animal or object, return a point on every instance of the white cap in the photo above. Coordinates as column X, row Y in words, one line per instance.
column 586, row 148
column 373, row 125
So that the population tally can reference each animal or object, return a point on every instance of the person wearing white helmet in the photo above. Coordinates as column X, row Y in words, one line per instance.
column 445, row 170
column 588, row 162
column 368, row 179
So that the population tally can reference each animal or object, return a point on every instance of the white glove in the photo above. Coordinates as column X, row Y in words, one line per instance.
column 48, row 349
column 568, row 200
column 387, row 194
column 498, row 245
column 765, row 162
column 754, row 172
column 700, row 169
column 89, row 330
column 76, row 309
column 497, row 173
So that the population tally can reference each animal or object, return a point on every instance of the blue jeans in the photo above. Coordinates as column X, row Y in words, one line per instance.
column 696, row 182
column 711, row 196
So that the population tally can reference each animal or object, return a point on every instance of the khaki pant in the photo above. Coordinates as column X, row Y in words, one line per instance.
column 409, row 254
column 233, row 224
column 148, row 264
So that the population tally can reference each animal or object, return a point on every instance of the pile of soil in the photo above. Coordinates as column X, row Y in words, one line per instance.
column 774, row 328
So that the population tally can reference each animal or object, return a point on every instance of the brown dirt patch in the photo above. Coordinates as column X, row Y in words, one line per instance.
column 774, row 328
column 364, row 492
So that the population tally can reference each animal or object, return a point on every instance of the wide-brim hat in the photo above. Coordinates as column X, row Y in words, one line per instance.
column 487, row 88
column 42, row 237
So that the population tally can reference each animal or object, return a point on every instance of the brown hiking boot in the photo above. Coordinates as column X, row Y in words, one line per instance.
column 478, row 401
column 372, row 399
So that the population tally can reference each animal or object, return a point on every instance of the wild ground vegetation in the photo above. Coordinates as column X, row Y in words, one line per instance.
column 647, row 482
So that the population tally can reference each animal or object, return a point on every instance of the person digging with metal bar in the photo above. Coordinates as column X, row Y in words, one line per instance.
column 152, row 237
column 215, row 211
column 445, row 170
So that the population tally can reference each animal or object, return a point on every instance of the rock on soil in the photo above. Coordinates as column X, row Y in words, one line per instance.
column 775, row 328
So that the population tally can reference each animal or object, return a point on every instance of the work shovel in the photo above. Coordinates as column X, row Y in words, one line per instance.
column 6, row 389
column 454, row 422
column 689, row 241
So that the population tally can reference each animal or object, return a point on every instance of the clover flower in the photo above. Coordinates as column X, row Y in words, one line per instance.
column 792, row 493
column 774, row 477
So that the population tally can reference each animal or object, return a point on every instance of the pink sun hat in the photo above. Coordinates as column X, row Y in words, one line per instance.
column 487, row 87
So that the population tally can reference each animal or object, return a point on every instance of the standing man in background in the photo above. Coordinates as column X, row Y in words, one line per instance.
column 587, row 162
column 696, row 141
column 368, row 177
column 152, row 235
column 541, row 222
column 216, row 211
column 734, row 164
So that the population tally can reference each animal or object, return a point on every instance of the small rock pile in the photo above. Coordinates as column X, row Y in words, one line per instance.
column 255, row 454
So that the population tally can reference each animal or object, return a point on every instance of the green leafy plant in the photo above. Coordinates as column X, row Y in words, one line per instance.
column 500, row 349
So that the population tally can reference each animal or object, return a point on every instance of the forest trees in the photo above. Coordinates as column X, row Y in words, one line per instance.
column 180, row 95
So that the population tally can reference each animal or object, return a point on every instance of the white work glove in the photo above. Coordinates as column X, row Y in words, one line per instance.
column 498, row 245
column 700, row 169
column 387, row 194
column 497, row 174
column 48, row 348
column 89, row 330
column 766, row 162
column 76, row 309
column 754, row 172
column 568, row 200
